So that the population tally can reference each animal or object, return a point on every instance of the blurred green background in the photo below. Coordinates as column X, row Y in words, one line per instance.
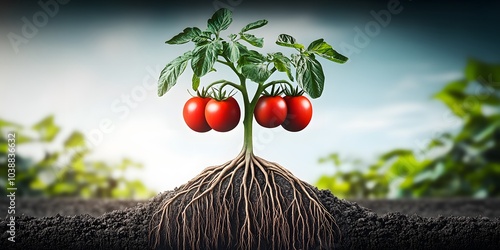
column 66, row 172
column 465, row 163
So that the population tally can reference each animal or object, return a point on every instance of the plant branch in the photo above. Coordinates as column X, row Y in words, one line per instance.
column 224, row 83
column 277, row 82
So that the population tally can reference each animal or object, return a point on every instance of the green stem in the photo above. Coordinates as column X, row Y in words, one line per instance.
column 249, row 105
column 247, row 119
column 224, row 83
column 278, row 82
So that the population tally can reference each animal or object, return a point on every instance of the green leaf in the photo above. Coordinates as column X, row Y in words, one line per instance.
column 196, row 82
column 204, row 57
column 171, row 72
column 254, row 25
column 253, row 40
column 459, row 85
column 47, row 129
column 204, row 38
column 4, row 123
column 242, row 48
column 76, row 139
column 251, row 56
column 64, row 188
column 253, row 65
column 220, row 20
column 256, row 72
column 282, row 64
column 334, row 157
column 185, row 36
column 288, row 41
column 310, row 77
column 488, row 74
column 457, row 102
column 396, row 153
column 232, row 51
column 323, row 49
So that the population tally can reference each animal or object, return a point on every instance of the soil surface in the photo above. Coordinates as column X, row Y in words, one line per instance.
column 365, row 224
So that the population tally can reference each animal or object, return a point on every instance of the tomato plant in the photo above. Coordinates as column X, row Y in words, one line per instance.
column 223, row 115
column 201, row 208
column 194, row 114
column 211, row 48
column 299, row 113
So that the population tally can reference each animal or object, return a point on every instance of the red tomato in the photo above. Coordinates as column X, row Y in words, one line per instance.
column 299, row 113
column 194, row 114
column 270, row 111
column 223, row 115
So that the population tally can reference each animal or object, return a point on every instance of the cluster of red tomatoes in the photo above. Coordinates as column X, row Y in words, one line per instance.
column 202, row 114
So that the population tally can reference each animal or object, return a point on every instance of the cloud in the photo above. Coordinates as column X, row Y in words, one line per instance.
column 378, row 119
column 411, row 82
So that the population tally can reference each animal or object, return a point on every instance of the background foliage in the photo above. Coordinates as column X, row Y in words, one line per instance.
column 455, row 163
column 67, row 171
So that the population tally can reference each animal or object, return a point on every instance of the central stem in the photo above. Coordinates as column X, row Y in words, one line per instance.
column 247, row 124
column 249, row 106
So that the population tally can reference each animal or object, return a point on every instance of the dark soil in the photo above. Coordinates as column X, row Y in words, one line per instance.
column 80, row 224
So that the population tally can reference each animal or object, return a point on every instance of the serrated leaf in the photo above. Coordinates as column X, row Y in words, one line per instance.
column 204, row 57
column 195, row 82
column 220, row 20
column 251, row 56
column 232, row 51
column 325, row 50
column 253, row 40
column 288, row 41
column 188, row 34
column 282, row 64
column 254, row 25
column 310, row 77
column 171, row 72
column 256, row 72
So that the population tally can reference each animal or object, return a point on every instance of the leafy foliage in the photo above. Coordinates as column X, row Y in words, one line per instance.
column 66, row 172
column 466, row 163
column 210, row 48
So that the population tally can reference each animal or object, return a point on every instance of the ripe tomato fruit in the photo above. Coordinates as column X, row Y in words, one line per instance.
column 223, row 115
column 270, row 111
column 194, row 114
column 299, row 113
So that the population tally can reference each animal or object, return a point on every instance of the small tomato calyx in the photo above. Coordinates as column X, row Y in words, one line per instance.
column 221, row 95
column 293, row 91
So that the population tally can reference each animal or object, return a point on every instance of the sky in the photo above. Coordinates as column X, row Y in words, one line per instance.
column 95, row 67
